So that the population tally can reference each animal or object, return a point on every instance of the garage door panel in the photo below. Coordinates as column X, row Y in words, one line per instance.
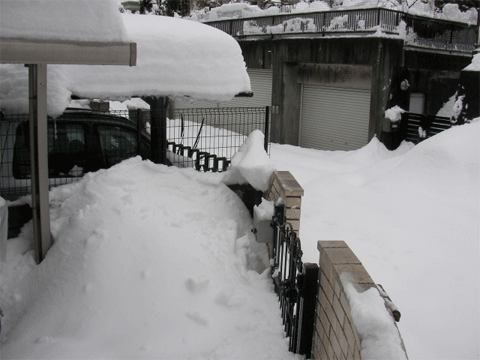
column 334, row 118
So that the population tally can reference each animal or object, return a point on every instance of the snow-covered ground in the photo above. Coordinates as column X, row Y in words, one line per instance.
column 158, row 262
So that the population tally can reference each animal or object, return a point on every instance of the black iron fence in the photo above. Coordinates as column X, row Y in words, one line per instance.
column 82, row 141
column 418, row 127
column 422, row 32
column 295, row 284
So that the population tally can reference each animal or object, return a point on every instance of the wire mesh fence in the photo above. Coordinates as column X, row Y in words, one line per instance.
column 210, row 137
column 82, row 141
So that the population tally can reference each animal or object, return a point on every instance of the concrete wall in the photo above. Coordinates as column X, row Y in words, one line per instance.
column 335, row 334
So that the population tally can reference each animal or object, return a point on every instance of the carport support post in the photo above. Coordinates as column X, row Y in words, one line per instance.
column 37, row 74
column 158, row 128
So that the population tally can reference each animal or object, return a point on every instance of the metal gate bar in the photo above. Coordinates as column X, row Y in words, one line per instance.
column 295, row 284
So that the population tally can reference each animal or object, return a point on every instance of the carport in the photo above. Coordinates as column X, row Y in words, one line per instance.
column 37, row 51
column 176, row 58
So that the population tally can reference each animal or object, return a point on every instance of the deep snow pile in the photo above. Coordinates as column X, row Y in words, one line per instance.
column 148, row 262
column 412, row 217
column 157, row 262
column 34, row 20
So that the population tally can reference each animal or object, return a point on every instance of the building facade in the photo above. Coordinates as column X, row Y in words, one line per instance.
column 330, row 76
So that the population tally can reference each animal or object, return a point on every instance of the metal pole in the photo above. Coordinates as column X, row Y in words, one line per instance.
column 307, row 305
column 267, row 130
column 39, row 159
column 158, row 126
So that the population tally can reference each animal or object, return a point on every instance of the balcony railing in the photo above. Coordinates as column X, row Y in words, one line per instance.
column 418, row 31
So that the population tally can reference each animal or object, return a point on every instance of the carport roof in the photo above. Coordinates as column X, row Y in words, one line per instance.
column 64, row 32
column 175, row 57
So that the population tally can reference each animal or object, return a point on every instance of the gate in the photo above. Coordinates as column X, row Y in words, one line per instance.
column 295, row 284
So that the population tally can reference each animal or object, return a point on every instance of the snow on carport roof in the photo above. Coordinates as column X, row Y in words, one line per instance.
column 175, row 57
column 62, row 20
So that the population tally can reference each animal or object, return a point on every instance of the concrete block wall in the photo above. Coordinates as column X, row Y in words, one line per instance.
column 283, row 185
column 335, row 335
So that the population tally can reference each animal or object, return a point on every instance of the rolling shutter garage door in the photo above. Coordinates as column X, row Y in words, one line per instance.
column 334, row 118
column 261, row 84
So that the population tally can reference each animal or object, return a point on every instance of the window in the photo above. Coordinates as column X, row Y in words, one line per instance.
column 417, row 103
column 117, row 144
column 66, row 150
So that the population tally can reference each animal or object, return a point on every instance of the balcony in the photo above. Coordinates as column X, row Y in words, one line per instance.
column 419, row 32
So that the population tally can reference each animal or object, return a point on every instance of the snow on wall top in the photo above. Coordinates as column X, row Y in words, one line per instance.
column 175, row 57
column 62, row 20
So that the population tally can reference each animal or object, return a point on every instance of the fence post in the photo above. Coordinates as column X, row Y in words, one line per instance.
column 267, row 129
column 307, row 289
column 158, row 128
column 139, row 130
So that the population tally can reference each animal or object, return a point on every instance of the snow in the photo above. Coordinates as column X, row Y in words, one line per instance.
column 175, row 57
column 242, row 10
column 457, row 108
column 265, row 210
column 447, row 108
column 80, row 21
column 412, row 217
column 394, row 113
column 158, row 262
column 475, row 65
column 380, row 336
column 148, row 262
column 251, row 164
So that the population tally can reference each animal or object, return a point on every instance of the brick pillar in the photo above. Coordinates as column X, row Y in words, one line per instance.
column 283, row 185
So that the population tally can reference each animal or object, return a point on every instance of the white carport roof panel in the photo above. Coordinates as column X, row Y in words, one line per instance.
column 44, row 52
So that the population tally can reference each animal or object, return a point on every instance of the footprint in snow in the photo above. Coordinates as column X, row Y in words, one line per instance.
column 197, row 317
column 197, row 284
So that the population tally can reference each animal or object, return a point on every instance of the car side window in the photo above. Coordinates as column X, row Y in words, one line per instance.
column 117, row 144
column 66, row 150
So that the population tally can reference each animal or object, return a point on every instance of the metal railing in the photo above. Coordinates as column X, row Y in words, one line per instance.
column 421, row 32
column 295, row 284
column 418, row 127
